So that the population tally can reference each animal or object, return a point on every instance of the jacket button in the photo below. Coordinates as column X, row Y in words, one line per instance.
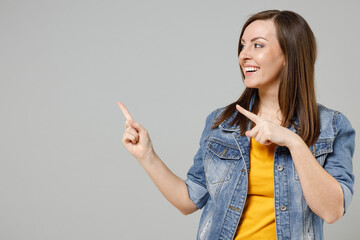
column 283, row 208
column 280, row 168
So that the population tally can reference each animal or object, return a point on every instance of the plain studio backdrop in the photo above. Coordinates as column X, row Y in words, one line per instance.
column 64, row 173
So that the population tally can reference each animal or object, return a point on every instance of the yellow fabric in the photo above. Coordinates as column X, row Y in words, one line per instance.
column 258, row 217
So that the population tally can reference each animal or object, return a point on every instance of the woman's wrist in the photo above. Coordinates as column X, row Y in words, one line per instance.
column 294, row 142
column 148, row 159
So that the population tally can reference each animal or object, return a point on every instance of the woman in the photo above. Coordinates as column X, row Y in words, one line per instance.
column 274, row 164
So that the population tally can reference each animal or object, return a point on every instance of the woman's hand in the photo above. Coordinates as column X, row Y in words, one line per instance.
column 137, row 141
column 267, row 132
column 135, row 138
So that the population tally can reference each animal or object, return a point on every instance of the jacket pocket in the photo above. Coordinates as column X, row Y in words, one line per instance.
column 320, row 150
column 221, row 161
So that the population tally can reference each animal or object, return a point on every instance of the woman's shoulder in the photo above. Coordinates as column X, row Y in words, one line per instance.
column 332, row 121
column 324, row 109
column 327, row 113
column 215, row 114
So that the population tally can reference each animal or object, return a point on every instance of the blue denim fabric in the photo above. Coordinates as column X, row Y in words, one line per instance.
column 218, row 179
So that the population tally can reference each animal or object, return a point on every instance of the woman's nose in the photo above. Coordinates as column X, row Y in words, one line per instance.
column 244, row 55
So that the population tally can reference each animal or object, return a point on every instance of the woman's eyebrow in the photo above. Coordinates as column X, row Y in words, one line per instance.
column 254, row 39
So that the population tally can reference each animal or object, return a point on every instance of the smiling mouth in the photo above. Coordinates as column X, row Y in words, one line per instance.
column 251, row 69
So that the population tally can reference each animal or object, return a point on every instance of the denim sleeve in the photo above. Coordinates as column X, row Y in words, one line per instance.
column 339, row 163
column 196, row 180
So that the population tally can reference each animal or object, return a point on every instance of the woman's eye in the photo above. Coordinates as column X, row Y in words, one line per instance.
column 242, row 46
column 258, row 45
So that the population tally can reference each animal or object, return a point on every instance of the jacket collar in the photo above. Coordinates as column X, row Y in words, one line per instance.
column 294, row 125
column 225, row 125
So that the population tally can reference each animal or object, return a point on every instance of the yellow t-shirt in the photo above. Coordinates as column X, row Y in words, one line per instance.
column 258, row 217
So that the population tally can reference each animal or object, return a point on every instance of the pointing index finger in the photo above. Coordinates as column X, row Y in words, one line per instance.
column 253, row 117
column 125, row 111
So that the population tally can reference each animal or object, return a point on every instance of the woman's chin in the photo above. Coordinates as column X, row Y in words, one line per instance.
column 250, row 84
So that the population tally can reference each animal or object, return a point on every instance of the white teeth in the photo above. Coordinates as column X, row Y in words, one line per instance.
column 251, row 69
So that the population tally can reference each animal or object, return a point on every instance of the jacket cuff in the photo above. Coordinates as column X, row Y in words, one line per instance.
column 197, row 193
column 347, row 196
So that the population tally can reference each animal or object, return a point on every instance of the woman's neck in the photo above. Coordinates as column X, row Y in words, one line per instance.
column 269, row 107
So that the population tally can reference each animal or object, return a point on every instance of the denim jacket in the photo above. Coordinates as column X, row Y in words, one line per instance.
column 218, row 179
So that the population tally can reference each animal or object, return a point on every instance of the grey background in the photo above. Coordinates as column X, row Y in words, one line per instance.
column 63, row 66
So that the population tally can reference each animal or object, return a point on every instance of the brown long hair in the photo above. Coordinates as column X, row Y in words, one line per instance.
column 296, row 91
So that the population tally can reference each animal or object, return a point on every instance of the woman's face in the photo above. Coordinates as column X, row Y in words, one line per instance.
column 261, row 58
